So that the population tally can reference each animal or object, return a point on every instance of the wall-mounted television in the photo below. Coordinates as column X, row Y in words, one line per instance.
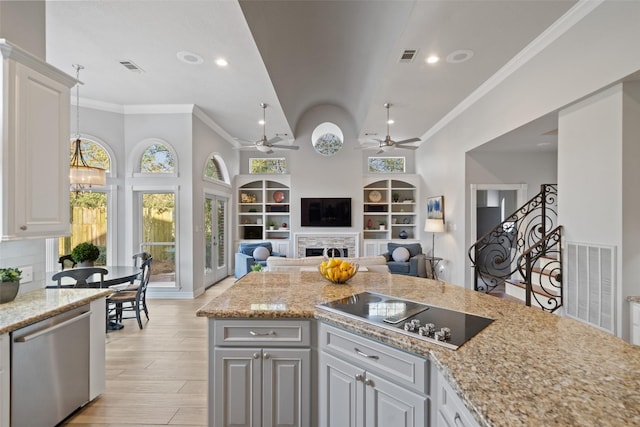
column 325, row 212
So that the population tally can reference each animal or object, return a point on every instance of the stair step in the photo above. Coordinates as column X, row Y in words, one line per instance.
column 534, row 287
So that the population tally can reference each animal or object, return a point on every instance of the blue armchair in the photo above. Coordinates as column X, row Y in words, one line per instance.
column 415, row 265
column 245, row 258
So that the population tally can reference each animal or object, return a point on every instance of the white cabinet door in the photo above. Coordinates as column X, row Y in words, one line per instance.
column 286, row 390
column 41, row 186
column 341, row 394
column 97, row 350
column 450, row 410
column 5, row 384
column 236, row 391
column 635, row 323
column 388, row 404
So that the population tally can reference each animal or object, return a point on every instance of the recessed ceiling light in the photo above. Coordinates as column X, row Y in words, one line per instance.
column 390, row 122
column 432, row 59
column 190, row 57
column 543, row 144
column 261, row 122
column 460, row 55
column 221, row 62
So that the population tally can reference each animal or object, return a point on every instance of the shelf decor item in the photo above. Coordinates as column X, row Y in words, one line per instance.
column 9, row 284
column 403, row 234
column 278, row 197
column 375, row 196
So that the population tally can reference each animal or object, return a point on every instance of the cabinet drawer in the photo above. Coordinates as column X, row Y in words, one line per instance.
column 283, row 333
column 635, row 313
column 398, row 366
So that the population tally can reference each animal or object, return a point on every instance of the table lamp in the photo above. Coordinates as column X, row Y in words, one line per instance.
column 433, row 226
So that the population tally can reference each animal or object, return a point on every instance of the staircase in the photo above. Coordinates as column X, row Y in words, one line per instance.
column 520, row 259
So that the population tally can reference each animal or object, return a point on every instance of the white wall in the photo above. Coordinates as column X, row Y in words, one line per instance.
column 598, row 153
column 565, row 71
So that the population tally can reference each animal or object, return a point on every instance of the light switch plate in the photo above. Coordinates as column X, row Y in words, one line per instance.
column 27, row 274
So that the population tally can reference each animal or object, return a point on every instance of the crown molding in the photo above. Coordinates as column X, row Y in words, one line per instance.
column 551, row 34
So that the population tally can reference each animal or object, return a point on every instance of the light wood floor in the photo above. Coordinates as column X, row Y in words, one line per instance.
column 158, row 375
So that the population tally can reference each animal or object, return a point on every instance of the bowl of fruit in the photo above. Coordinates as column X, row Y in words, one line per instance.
column 337, row 271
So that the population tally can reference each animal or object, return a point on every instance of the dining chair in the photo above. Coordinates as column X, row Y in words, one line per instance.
column 140, row 258
column 131, row 300
column 80, row 275
column 66, row 261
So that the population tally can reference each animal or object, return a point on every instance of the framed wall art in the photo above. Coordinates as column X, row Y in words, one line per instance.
column 435, row 207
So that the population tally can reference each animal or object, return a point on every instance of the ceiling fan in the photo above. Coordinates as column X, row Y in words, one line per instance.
column 387, row 143
column 265, row 145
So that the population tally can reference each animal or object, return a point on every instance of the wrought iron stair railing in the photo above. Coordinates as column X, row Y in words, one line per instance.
column 496, row 255
column 545, row 286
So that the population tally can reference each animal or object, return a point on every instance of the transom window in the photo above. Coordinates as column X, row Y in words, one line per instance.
column 157, row 158
column 212, row 170
column 386, row 164
column 270, row 165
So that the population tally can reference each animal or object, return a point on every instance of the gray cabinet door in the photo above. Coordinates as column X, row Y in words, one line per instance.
column 237, row 380
column 341, row 393
column 388, row 404
column 286, row 396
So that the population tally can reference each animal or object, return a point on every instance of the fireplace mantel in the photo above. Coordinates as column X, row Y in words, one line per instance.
column 329, row 240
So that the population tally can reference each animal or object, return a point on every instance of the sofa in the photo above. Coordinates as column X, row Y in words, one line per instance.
column 252, row 253
column 372, row 263
column 408, row 259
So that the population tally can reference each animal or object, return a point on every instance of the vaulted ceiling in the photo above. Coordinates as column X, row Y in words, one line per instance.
column 293, row 55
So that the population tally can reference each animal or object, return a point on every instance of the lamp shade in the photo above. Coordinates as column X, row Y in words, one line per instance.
column 434, row 225
column 80, row 175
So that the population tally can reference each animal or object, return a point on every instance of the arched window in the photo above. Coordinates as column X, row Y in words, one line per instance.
column 157, row 158
column 215, row 169
column 93, row 153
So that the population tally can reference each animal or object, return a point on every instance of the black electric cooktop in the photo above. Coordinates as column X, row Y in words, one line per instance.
column 441, row 326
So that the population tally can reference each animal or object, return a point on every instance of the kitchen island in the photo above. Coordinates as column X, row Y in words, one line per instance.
column 41, row 305
column 526, row 368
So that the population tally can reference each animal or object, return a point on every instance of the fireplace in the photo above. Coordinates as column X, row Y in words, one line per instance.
column 314, row 244
column 331, row 252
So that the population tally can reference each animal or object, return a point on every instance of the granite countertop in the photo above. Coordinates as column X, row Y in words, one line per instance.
column 527, row 368
column 633, row 298
column 41, row 304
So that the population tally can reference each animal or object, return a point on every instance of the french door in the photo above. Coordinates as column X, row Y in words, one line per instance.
column 215, row 262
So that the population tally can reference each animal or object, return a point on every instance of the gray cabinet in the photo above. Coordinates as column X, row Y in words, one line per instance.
column 5, row 383
column 260, row 373
column 365, row 383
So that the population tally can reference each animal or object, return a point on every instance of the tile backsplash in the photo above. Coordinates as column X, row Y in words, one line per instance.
column 21, row 253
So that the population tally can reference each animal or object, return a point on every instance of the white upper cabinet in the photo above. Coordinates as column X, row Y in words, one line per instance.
column 35, row 146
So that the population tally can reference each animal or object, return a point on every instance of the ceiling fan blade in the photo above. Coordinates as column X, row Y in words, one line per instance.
column 406, row 141
column 407, row 147
column 274, row 140
column 380, row 151
column 286, row 147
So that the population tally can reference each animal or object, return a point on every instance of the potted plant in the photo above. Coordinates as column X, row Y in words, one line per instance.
column 396, row 197
column 272, row 225
column 256, row 267
column 9, row 284
column 382, row 225
column 85, row 254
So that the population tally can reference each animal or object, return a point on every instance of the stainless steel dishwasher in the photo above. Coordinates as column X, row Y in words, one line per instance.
column 50, row 369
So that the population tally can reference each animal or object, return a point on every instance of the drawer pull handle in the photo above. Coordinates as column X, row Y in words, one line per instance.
column 458, row 420
column 267, row 356
column 359, row 377
column 368, row 356
column 256, row 355
column 262, row 334
column 23, row 227
column 368, row 382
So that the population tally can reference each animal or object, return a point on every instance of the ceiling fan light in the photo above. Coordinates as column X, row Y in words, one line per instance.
column 386, row 148
column 263, row 148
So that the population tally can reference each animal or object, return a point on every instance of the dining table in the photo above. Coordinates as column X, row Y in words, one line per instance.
column 117, row 276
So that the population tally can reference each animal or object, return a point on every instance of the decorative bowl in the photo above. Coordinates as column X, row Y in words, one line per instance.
column 337, row 271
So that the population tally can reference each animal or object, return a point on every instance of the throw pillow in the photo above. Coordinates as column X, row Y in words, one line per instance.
column 261, row 253
column 400, row 254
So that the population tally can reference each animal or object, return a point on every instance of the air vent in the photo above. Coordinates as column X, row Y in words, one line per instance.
column 408, row 55
column 131, row 66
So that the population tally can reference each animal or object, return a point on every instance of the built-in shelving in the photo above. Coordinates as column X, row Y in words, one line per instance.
column 390, row 203
column 263, row 208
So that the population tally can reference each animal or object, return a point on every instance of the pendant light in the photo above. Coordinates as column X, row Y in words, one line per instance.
column 81, row 175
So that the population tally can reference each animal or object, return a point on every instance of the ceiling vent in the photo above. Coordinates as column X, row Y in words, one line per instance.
column 408, row 55
column 131, row 66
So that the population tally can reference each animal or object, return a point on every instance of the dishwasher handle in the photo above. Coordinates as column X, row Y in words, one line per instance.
column 34, row 335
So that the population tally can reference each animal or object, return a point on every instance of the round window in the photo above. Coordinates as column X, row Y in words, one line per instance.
column 327, row 139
